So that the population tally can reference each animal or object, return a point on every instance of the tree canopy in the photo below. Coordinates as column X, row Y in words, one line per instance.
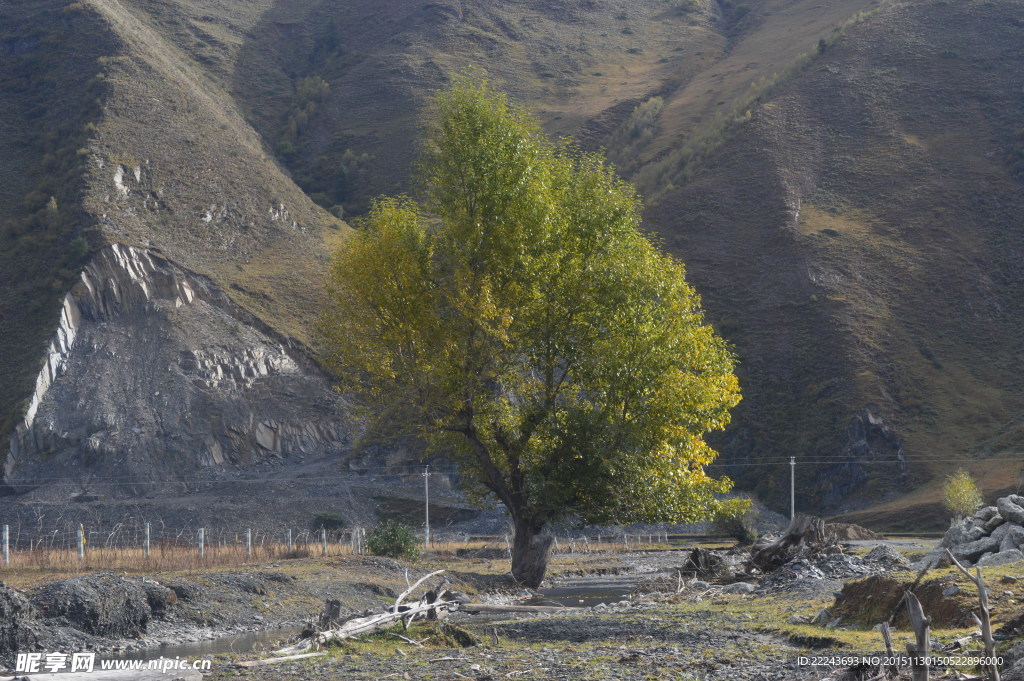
column 518, row 320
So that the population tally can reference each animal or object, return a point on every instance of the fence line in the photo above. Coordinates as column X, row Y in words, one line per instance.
column 141, row 545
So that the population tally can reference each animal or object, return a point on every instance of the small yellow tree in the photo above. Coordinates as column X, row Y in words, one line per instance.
column 960, row 494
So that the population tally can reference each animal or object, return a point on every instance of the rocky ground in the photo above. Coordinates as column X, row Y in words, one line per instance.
column 727, row 625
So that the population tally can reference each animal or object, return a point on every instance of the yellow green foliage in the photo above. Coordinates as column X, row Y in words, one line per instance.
column 960, row 494
column 520, row 321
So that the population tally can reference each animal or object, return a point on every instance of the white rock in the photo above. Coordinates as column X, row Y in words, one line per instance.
column 739, row 588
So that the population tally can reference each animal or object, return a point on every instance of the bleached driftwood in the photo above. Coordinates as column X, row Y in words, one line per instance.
column 371, row 623
column 921, row 650
column 359, row 626
column 984, row 622
column 275, row 660
column 401, row 596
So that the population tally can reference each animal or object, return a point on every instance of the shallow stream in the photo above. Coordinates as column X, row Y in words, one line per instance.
column 578, row 592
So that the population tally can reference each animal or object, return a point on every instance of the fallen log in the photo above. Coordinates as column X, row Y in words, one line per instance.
column 359, row 626
column 275, row 660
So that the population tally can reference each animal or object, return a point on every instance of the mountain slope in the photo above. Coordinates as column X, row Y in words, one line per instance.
column 182, row 341
column 863, row 234
column 844, row 181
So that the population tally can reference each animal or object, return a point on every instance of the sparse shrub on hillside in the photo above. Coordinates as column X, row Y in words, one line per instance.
column 329, row 521
column 394, row 540
column 687, row 6
column 635, row 132
column 960, row 494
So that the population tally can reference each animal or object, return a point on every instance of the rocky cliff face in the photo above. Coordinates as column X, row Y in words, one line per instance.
column 153, row 372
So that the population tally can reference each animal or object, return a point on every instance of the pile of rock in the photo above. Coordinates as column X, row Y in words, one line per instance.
column 993, row 536
column 16, row 622
column 838, row 566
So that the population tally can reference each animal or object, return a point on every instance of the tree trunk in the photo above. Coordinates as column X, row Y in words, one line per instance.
column 530, row 554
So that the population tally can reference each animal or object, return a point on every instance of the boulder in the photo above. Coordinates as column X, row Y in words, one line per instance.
column 1001, row 531
column 956, row 534
column 102, row 604
column 1001, row 558
column 1013, row 539
column 993, row 522
column 976, row 533
column 975, row 549
column 985, row 513
column 1010, row 509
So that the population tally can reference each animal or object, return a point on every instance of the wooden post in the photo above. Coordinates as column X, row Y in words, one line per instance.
column 248, row 541
column 289, row 540
column 892, row 670
column 920, row 652
column 426, row 507
column 323, row 541
column 202, row 541
column 7, row 545
column 81, row 542
column 145, row 542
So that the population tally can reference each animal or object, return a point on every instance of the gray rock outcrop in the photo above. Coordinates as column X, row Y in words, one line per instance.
column 994, row 535
column 153, row 372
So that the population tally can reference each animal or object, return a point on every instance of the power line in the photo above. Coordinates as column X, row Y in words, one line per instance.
column 357, row 476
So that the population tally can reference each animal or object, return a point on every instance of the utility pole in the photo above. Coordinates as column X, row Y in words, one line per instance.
column 426, row 507
column 792, row 487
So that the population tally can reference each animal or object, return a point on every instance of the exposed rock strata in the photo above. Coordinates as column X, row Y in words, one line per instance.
column 153, row 371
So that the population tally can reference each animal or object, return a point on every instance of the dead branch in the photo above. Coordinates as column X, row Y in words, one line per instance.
column 920, row 652
column 398, row 601
column 892, row 670
column 984, row 622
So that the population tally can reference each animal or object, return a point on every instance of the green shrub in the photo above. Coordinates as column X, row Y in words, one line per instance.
column 393, row 539
column 738, row 521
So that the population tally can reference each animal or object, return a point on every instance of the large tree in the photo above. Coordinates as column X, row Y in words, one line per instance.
column 519, row 321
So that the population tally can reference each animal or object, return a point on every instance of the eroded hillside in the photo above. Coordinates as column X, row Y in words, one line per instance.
column 842, row 179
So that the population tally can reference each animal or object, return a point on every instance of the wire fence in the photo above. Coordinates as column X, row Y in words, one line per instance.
column 154, row 546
